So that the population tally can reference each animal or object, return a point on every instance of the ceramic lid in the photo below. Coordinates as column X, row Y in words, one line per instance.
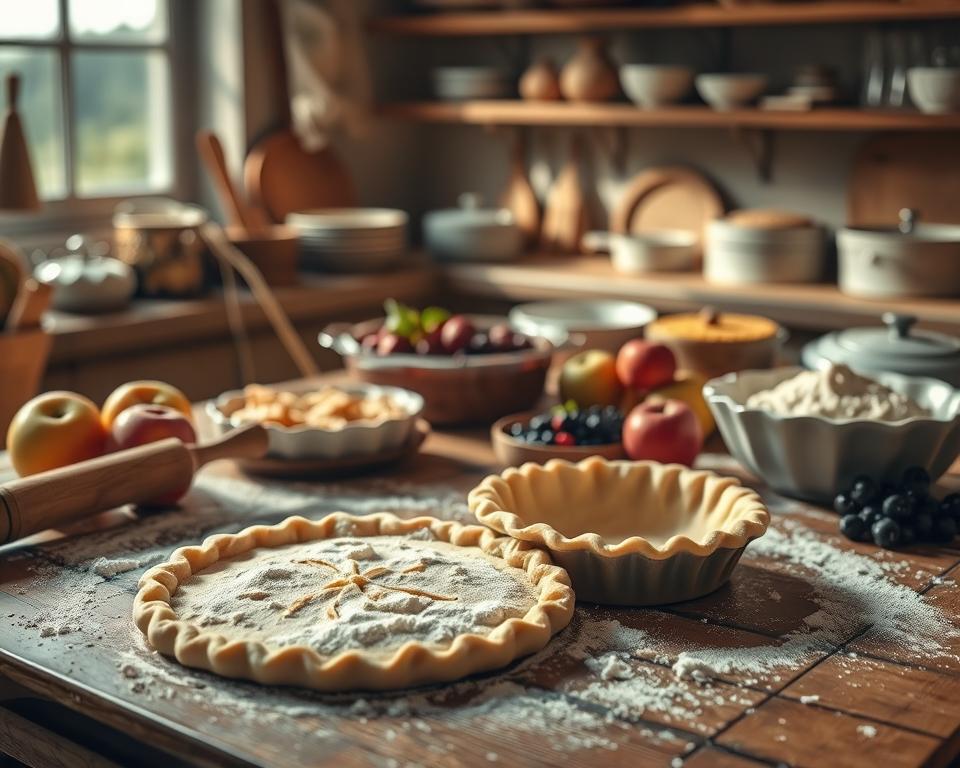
column 898, row 347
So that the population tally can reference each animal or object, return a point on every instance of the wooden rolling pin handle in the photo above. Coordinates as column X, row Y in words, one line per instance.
column 249, row 442
column 134, row 476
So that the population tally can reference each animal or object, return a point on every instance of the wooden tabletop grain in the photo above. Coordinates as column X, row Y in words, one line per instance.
column 76, row 665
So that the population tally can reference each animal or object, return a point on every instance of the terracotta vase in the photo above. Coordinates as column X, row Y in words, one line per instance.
column 541, row 81
column 590, row 75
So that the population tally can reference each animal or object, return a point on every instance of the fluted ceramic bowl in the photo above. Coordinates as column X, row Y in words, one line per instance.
column 813, row 457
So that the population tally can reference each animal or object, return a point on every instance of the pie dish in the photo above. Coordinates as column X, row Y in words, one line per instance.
column 628, row 533
column 353, row 603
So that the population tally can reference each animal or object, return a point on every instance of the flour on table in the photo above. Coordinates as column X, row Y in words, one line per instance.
column 339, row 594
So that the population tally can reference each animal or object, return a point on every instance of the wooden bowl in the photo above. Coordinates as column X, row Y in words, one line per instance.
column 512, row 452
column 275, row 252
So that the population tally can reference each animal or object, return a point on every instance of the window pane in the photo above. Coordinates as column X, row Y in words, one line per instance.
column 33, row 20
column 41, row 111
column 122, row 125
column 118, row 21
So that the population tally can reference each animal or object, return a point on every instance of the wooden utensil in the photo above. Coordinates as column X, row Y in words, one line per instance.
column 565, row 216
column 12, row 276
column 668, row 197
column 29, row 305
column 519, row 197
column 905, row 170
column 18, row 191
column 134, row 476
column 238, row 212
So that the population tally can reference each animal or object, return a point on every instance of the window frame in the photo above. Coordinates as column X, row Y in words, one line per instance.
column 73, row 213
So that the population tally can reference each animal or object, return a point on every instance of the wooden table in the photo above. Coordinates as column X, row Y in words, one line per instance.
column 96, row 695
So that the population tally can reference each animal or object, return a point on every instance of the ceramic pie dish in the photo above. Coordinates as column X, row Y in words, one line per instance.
column 355, row 438
column 628, row 533
column 353, row 603
column 812, row 457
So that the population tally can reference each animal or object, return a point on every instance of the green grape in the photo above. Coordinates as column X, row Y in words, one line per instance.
column 432, row 318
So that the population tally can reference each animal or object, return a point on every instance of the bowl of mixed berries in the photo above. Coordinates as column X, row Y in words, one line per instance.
column 470, row 369
column 893, row 515
column 563, row 432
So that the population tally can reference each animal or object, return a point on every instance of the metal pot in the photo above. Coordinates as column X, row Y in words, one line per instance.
column 160, row 239
column 898, row 348
column 910, row 260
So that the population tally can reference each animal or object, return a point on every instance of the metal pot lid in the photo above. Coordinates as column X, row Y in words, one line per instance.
column 885, row 348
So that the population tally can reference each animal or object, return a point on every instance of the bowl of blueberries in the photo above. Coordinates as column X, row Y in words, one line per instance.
column 894, row 515
column 563, row 432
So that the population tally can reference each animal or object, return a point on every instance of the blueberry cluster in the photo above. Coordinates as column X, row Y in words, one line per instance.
column 897, row 515
column 567, row 425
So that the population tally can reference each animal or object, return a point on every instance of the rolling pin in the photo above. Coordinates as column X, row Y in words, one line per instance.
column 133, row 476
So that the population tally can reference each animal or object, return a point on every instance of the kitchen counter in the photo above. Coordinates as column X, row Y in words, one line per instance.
column 68, row 639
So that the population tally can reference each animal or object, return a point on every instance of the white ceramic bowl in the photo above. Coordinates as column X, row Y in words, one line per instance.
column 304, row 442
column 655, row 85
column 935, row 90
column 472, row 234
column 601, row 323
column 666, row 250
column 736, row 255
column 459, row 83
column 813, row 457
column 728, row 91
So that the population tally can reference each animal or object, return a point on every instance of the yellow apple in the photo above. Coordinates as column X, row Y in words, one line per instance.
column 590, row 378
column 688, row 387
column 53, row 430
column 144, row 393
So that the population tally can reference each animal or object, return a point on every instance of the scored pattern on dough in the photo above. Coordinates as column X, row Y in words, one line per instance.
column 361, row 580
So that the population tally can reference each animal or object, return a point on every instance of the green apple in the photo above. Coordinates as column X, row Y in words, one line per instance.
column 590, row 378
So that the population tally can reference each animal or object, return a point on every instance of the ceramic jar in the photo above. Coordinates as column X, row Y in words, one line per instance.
column 590, row 75
column 541, row 81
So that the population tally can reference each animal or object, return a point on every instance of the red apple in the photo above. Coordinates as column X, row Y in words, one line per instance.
column 392, row 344
column 644, row 365
column 456, row 333
column 667, row 431
column 147, row 392
column 430, row 344
column 590, row 378
column 142, row 424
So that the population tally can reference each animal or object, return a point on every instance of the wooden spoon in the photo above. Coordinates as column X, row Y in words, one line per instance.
column 238, row 212
column 565, row 217
column 18, row 190
column 519, row 197
column 134, row 476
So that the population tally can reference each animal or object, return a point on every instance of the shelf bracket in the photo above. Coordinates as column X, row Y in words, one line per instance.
column 759, row 145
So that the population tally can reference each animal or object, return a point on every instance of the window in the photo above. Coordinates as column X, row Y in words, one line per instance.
column 95, row 94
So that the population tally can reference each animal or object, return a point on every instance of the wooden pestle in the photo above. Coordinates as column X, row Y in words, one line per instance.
column 133, row 476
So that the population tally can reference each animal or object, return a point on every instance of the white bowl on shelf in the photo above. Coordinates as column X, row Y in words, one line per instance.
column 724, row 92
column 655, row 85
column 462, row 83
column 935, row 90
column 598, row 323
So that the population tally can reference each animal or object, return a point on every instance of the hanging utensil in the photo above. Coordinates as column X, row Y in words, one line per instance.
column 239, row 214
column 18, row 191
column 565, row 215
column 519, row 197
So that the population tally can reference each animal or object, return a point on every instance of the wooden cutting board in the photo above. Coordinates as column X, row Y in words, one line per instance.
column 905, row 170
column 565, row 216
column 519, row 197
column 667, row 197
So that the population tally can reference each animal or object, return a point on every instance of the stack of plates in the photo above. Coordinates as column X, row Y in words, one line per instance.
column 350, row 239
column 459, row 83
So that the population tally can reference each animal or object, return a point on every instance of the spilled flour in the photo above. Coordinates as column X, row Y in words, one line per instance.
column 608, row 682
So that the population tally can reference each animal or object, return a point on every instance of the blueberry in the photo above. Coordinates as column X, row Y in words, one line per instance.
column 517, row 429
column 950, row 506
column 916, row 479
column 540, row 422
column 908, row 535
column 897, row 506
column 546, row 436
column 592, row 422
column 863, row 491
column 870, row 515
column 944, row 529
column 844, row 505
column 853, row 527
column 886, row 533
column 887, row 490
column 532, row 436
column 923, row 523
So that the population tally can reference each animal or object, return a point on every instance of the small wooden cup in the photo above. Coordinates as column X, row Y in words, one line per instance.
column 275, row 252
column 512, row 452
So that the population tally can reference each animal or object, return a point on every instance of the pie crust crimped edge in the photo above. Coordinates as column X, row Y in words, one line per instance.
column 414, row 663
column 493, row 503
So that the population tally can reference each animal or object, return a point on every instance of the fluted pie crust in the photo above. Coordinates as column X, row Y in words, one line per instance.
column 628, row 533
column 413, row 663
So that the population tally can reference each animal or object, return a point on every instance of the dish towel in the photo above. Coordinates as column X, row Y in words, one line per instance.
column 327, row 68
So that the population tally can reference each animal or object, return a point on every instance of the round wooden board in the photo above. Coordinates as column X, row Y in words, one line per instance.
column 667, row 197
column 318, row 469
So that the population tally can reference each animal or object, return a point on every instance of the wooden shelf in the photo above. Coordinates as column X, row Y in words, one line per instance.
column 499, row 22
column 516, row 112
column 818, row 307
